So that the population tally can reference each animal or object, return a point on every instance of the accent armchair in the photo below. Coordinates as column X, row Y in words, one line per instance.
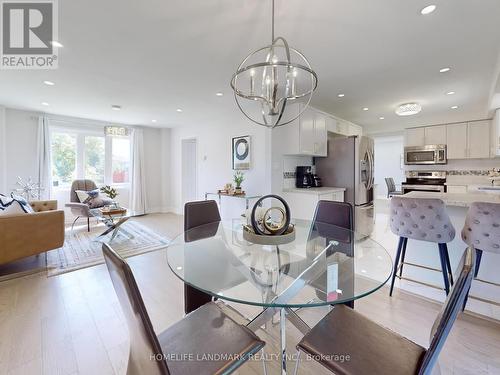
column 24, row 235
column 77, row 208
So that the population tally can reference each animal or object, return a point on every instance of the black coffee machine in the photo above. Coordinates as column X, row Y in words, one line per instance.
column 304, row 177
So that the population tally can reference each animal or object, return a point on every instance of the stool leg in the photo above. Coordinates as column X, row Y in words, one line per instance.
column 403, row 255
column 479, row 254
column 444, row 267
column 448, row 264
column 396, row 263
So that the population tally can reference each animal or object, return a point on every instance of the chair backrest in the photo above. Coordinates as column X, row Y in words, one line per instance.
column 80, row 185
column 391, row 186
column 450, row 310
column 482, row 227
column 334, row 213
column 421, row 219
column 146, row 356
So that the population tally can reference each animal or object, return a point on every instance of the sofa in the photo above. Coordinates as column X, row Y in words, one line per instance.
column 24, row 235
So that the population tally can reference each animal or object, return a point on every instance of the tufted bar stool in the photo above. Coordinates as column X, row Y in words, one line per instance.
column 482, row 232
column 422, row 220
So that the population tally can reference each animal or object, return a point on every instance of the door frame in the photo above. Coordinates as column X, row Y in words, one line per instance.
column 183, row 142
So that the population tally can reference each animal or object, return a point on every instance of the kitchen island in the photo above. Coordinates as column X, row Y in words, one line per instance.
column 426, row 253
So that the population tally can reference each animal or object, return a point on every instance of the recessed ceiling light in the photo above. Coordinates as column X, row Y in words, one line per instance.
column 444, row 70
column 428, row 9
column 219, row 94
column 55, row 43
column 365, row 109
column 381, row 118
column 45, row 103
column 49, row 83
column 153, row 120
column 454, row 107
column 179, row 110
column 408, row 109
column 341, row 95
column 450, row 93
column 115, row 107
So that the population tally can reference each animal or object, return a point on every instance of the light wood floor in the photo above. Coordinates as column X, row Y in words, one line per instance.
column 72, row 324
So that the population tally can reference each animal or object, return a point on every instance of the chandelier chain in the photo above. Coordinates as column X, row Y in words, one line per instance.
column 272, row 25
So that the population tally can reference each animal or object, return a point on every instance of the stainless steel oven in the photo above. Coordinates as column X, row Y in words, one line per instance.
column 433, row 181
column 430, row 154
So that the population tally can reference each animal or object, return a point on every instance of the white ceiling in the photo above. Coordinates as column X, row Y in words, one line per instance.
column 154, row 56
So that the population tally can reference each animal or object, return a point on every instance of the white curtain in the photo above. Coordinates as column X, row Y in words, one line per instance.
column 43, row 159
column 138, row 178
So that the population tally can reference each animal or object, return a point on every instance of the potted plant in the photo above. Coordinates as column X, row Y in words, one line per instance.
column 111, row 193
column 238, row 178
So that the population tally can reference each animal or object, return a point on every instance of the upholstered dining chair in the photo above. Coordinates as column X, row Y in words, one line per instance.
column 391, row 187
column 196, row 214
column 77, row 208
column 421, row 220
column 376, row 350
column 206, row 341
column 482, row 230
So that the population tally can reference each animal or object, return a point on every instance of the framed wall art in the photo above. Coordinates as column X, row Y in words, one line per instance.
column 241, row 152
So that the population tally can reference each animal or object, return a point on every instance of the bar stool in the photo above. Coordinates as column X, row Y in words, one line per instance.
column 421, row 220
column 482, row 232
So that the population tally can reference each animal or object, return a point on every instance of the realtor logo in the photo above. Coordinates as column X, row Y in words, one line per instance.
column 28, row 29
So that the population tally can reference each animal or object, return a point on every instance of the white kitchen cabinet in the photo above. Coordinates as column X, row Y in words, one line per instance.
column 320, row 135
column 303, row 204
column 415, row 137
column 456, row 140
column 456, row 189
column 435, row 135
column 478, row 137
column 306, row 132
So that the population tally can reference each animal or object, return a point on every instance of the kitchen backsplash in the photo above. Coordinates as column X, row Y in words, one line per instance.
column 469, row 173
column 290, row 164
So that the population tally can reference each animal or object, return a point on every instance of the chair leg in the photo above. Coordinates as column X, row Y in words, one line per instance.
column 88, row 224
column 403, row 255
column 444, row 267
column 479, row 254
column 297, row 362
column 396, row 263
column 448, row 264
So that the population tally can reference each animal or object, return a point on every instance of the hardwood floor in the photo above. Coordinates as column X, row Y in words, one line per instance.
column 72, row 323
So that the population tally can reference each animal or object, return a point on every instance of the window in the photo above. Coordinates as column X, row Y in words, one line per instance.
column 83, row 153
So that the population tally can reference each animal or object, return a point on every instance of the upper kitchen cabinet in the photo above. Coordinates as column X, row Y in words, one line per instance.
column 435, row 135
column 456, row 137
column 478, row 136
column 415, row 137
column 307, row 135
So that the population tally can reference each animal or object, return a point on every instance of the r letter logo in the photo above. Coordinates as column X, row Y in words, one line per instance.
column 28, row 29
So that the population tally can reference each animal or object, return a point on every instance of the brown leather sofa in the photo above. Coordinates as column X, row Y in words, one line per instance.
column 25, row 235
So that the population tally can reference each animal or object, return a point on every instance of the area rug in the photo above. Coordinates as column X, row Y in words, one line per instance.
column 81, row 249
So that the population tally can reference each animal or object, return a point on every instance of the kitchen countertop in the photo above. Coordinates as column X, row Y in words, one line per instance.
column 315, row 190
column 456, row 199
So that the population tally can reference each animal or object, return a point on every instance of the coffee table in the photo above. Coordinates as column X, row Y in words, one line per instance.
column 113, row 219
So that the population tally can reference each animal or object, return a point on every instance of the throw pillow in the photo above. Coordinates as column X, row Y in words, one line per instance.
column 14, row 205
column 83, row 195
column 23, row 203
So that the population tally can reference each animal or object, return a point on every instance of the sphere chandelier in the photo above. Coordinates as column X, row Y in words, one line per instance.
column 274, row 84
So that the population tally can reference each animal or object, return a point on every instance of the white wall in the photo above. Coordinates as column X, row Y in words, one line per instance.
column 388, row 163
column 20, row 151
column 215, row 159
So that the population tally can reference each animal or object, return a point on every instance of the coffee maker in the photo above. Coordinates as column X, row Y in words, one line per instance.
column 304, row 177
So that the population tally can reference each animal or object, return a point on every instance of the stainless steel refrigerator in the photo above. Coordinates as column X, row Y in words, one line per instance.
column 350, row 164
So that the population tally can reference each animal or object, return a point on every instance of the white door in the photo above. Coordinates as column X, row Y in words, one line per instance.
column 456, row 138
column 435, row 135
column 479, row 139
column 415, row 137
column 189, row 171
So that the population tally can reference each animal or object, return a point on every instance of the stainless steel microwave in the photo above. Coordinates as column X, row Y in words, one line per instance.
column 431, row 154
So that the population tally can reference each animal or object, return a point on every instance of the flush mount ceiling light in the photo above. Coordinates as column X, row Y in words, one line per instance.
column 219, row 94
column 444, row 70
column 179, row 110
column 45, row 104
column 454, row 107
column 341, row 95
column 115, row 107
column 381, row 118
column 272, row 82
column 365, row 109
column 49, row 83
column 428, row 9
column 408, row 109
column 153, row 121
column 450, row 93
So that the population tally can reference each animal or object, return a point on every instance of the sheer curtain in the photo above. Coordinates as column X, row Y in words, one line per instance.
column 138, row 178
column 43, row 160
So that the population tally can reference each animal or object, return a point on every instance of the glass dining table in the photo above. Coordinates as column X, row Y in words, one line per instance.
column 323, row 265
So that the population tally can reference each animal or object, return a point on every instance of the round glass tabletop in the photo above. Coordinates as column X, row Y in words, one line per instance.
column 322, row 265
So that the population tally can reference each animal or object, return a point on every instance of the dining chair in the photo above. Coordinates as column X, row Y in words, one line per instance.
column 421, row 220
column 482, row 230
column 373, row 349
column 196, row 214
column 205, row 341
column 391, row 187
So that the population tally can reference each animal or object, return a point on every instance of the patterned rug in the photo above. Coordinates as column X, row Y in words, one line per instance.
column 81, row 249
